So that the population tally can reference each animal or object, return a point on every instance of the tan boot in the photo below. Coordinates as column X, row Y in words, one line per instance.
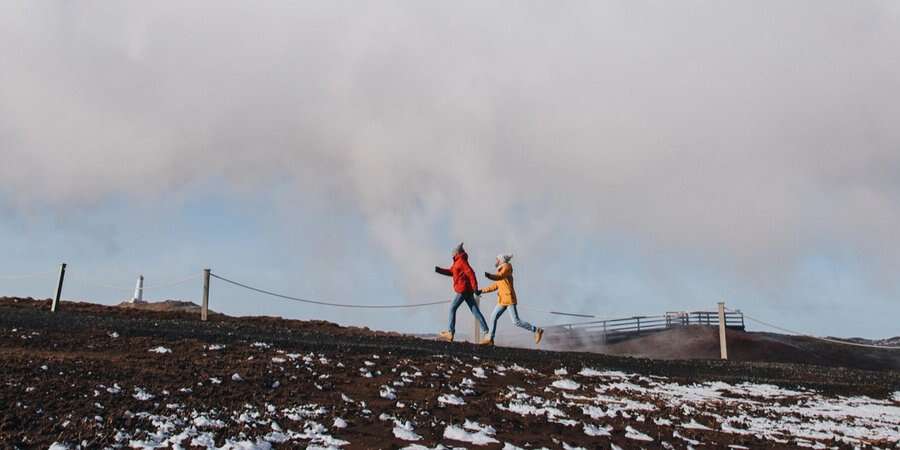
column 486, row 341
column 538, row 335
column 446, row 336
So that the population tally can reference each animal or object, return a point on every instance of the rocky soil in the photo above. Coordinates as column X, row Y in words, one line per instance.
column 91, row 376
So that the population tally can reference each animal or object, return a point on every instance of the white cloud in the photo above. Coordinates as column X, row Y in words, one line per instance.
column 750, row 134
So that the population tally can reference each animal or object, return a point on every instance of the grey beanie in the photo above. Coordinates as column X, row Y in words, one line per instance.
column 505, row 257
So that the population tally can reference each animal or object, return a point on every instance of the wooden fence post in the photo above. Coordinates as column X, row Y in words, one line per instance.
column 204, row 310
column 59, row 286
column 723, row 347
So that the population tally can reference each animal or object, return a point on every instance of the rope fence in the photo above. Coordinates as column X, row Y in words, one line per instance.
column 361, row 306
column 321, row 303
column 26, row 276
column 823, row 339
column 207, row 274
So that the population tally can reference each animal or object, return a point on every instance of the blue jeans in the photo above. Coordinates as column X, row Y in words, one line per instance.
column 500, row 309
column 469, row 298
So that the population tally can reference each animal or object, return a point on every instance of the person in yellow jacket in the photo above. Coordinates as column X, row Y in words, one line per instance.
column 506, row 299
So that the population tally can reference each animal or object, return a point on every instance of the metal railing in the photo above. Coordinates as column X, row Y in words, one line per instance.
column 617, row 330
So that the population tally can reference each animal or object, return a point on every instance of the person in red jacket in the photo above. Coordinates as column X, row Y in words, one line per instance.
column 466, row 286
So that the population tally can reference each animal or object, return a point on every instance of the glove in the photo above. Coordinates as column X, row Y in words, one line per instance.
column 488, row 275
column 478, row 292
column 437, row 269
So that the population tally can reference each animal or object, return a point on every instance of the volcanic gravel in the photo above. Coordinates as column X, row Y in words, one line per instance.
column 92, row 376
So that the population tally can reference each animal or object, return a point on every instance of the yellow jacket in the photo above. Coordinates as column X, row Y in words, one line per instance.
column 503, row 284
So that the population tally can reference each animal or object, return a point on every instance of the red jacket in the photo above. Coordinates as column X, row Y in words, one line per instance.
column 464, row 280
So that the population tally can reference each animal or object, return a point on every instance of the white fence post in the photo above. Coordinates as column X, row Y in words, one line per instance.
column 723, row 347
column 204, row 310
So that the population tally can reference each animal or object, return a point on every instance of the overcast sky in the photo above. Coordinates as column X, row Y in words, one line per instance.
column 637, row 157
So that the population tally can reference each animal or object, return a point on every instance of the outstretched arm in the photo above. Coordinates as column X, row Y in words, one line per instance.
column 501, row 274
column 491, row 288
column 443, row 271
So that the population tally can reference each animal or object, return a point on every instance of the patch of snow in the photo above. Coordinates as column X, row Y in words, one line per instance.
column 566, row 384
column 339, row 423
column 518, row 368
column 588, row 372
column 459, row 434
column 610, row 407
column 319, row 439
column 404, row 431
column 690, row 441
column 277, row 437
column 422, row 447
column 259, row 444
column 571, row 447
column 524, row 409
column 299, row 413
column 594, row 430
column 631, row 433
column 203, row 421
column 387, row 392
column 450, row 399
column 694, row 425
column 141, row 394
column 161, row 350
column 475, row 426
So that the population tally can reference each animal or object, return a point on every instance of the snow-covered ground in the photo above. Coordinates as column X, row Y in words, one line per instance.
column 591, row 404
column 233, row 388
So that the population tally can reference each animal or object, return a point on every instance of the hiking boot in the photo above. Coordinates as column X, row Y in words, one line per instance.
column 486, row 341
column 446, row 336
column 538, row 334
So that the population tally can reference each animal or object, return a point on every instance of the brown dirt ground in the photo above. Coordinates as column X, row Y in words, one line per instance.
column 55, row 369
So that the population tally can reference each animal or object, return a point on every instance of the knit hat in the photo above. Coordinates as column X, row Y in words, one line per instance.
column 504, row 258
column 458, row 249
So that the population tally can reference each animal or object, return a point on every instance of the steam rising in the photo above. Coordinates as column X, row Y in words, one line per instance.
column 746, row 135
